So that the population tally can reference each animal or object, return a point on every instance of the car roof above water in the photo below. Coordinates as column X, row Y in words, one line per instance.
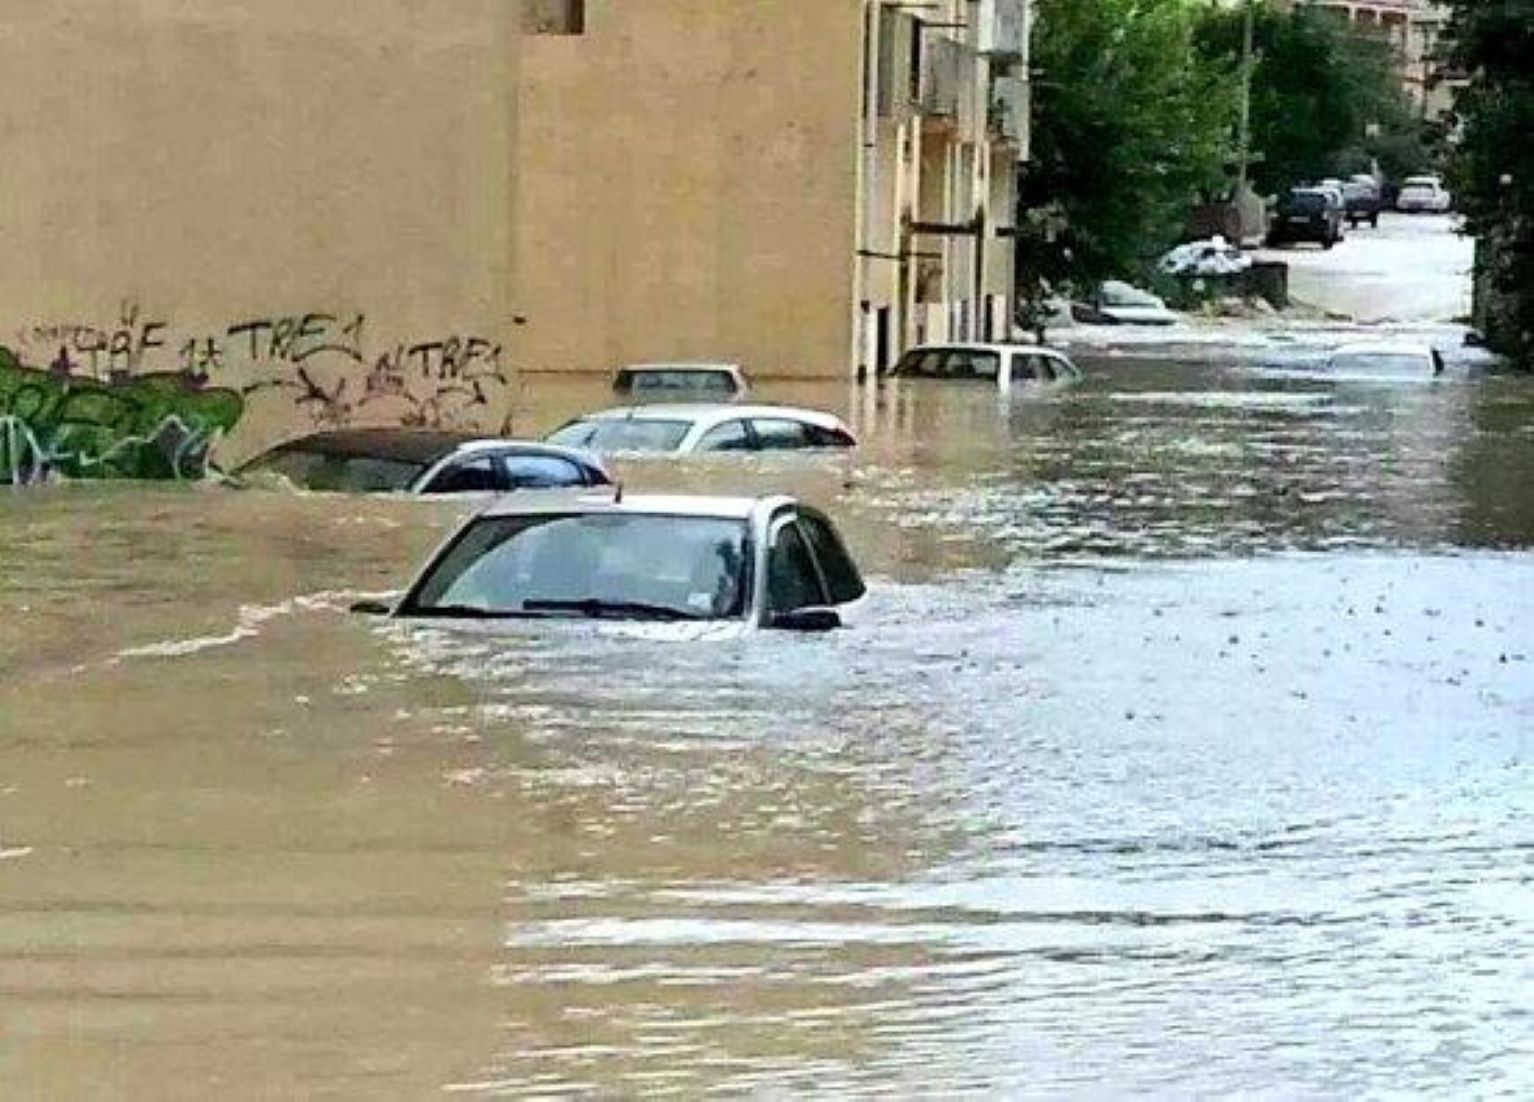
column 539, row 502
column 711, row 411
column 405, row 445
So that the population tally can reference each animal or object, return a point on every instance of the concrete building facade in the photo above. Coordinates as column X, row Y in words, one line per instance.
column 1413, row 27
column 384, row 211
column 806, row 188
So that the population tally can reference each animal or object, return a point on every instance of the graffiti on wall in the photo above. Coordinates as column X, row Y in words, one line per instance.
column 144, row 398
column 160, row 425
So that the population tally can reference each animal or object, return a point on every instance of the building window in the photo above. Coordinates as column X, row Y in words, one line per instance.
column 556, row 16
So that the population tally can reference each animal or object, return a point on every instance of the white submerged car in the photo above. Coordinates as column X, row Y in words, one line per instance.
column 1003, row 365
column 690, row 429
column 766, row 562
column 705, row 382
column 1424, row 195
column 1386, row 362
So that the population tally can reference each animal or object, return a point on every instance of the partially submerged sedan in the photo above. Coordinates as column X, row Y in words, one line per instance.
column 686, row 429
column 672, row 382
column 1386, row 361
column 755, row 562
column 1004, row 365
column 412, row 461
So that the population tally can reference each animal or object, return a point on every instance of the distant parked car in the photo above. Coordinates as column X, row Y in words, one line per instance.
column 1386, row 361
column 1424, row 195
column 756, row 562
column 1003, row 365
column 708, row 382
column 1119, row 303
column 1307, row 214
column 1361, row 196
column 686, row 429
column 407, row 461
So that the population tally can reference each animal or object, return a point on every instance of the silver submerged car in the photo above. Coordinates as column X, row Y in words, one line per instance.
column 766, row 562
column 689, row 429
column 410, row 461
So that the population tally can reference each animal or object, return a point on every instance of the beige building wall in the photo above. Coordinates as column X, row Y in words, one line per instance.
column 225, row 187
column 688, row 186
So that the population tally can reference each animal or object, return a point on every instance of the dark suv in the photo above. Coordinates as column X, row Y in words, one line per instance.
column 1307, row 214
column 1363, row 201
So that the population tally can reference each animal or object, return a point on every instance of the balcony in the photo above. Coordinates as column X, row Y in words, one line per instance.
column 1002, row 29
column 947, row 74
column 1010, row 106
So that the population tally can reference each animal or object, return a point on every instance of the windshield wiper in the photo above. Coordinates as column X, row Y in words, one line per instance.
column 469, row 612
column 596, row 608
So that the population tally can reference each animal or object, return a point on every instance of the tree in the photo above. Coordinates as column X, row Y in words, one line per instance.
column 1128, row 131
column 1325, row 100
column 1491, row 47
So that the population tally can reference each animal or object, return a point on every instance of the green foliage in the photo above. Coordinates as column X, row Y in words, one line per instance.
column 1128, row 131
column 1325, row 100
column 1491, row 45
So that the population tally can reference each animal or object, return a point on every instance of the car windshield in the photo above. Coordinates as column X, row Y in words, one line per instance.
column 623, row 566
column 324, row 471
column 1122, row 294
column 1421, row 182
column 646, row 434
column 1307, row 202
column 652, row 381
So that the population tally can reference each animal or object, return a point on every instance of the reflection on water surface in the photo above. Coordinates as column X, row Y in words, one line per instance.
column 1183, row 739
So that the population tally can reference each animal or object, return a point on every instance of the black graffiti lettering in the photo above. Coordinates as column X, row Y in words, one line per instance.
column 149, row 337
column 254, row 329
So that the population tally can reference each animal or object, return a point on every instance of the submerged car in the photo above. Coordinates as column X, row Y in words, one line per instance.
column 1386, row 361
column 1423, row 195
column 1307, row 214
column 409, row 461
column 1005, row 365
column 714, row 382
column 689, row 429
column 766, row 562
column 1119, row 303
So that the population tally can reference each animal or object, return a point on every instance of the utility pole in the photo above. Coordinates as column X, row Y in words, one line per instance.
column 1244, row 127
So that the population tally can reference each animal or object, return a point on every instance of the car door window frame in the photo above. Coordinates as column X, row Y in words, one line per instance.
column 747, row 437
column 790, row 522
column 460, row 463
column 756, row 439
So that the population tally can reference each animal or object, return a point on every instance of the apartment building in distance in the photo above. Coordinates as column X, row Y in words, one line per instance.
column 804, row 187
column 1413, row 27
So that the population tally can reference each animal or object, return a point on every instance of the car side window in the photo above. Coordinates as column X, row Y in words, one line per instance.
column 792, row 582
column 774, row 434
column 842, row 577
column 731, row 436
column 828, row 438
column 965, row 364
column 542, row 472
column 926, row 363
column 470, row 476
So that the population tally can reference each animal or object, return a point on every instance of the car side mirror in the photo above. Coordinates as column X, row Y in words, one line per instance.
column 371, row 608
column 811, row 620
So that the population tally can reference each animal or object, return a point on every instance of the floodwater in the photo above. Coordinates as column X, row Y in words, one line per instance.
column 1183, row 745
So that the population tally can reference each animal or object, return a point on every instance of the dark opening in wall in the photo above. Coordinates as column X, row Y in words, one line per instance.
column 556, row 16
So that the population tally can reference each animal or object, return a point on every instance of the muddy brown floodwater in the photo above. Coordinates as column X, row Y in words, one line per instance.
column 1183, row 744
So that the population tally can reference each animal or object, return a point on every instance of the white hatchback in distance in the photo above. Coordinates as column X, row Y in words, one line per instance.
column 1005, row 365
column 1386, row 362
column 1424, row 195
column 690, row 429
